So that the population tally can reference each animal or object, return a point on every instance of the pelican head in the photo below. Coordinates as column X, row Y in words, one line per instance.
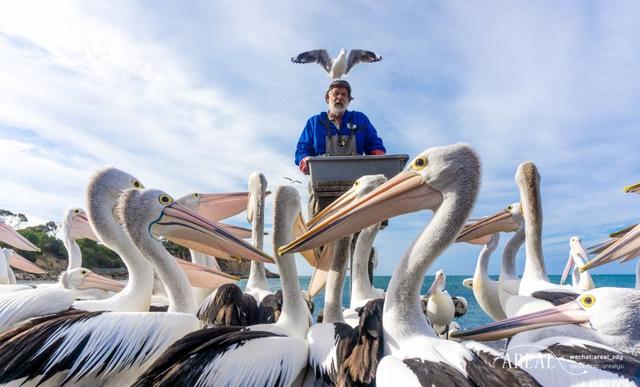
column 467, row 283
column 82, row 279
column 612, row 312
column 76, row 225
column 257, row 192
column 508, row 220
column 154, row 213
column 103, row 191
column 437, row 173
column 439, row 283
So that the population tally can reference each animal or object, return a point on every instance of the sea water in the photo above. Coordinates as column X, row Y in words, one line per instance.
column 474, row 316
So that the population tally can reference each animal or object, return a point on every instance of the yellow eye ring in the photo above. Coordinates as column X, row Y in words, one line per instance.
column 83, row 272
column 419, row 163
column 165, row 199
column 587, row 300
column 195, row 195
column 357, row 183
column 137, row 184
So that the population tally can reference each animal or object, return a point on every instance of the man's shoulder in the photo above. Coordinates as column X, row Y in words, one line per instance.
column 317, row 117
column 356, row 115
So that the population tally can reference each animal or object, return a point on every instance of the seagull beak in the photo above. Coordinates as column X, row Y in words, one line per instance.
column 633, row 188
column 500, row 222
column 96, row 281
column 569, row 313
column 218, row 206
column 19, row 262
column 80, row 228
column 204, row 277
column 185, row 227
column 11, row 237
column 300, row 228
column 406, row 192
column 624, row 248
column 336, row 205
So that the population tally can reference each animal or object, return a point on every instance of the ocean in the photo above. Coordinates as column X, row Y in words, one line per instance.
column 474, row 316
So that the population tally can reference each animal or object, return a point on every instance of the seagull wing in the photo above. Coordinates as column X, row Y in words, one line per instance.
column 357, row 56
column 320, row 56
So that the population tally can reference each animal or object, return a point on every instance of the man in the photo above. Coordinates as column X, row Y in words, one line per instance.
column 337, row 132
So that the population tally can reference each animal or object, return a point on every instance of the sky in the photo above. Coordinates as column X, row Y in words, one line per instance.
column 195, row 96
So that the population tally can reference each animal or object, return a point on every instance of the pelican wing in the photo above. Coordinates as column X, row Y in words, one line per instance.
column 22, row 305
column 320, row 56
column 80, row 347
column 324, row 340
column 229, row 356
column 360, row 56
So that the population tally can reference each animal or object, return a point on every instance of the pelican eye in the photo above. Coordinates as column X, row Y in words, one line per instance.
column 419, row 163
column 587, row 300
column 196, row 195
column 137, row 184
column 84, row 272
column 77, row 211
column 509, row 208
column 357, row 183
column 165, row 199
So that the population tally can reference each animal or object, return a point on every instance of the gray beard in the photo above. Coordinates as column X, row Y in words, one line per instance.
column 337, row 110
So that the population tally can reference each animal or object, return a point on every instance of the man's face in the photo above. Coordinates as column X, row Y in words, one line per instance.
column 338, row 100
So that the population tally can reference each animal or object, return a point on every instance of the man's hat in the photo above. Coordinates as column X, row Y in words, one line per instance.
column 338, row 83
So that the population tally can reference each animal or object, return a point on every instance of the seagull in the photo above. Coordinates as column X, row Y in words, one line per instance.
column 341, row 65
column 292, row 181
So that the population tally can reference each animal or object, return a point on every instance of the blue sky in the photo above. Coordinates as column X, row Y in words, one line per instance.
column 194, row 96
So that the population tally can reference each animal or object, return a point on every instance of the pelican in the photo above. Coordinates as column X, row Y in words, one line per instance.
column 228, row 305
column 112, row 349
column 611, row 317
column 468, row 283
column 265, row 354
column 507, row 220
column 485, row 289
column 362, row 291
column 341, row 65
column 578, row 257
column 440, row 308
column 446, row 180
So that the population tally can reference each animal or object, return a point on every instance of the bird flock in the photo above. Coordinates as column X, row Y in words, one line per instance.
column 187, row 323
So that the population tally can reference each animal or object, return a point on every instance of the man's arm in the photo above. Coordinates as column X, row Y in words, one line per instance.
column 373, row 144
column 305, row 147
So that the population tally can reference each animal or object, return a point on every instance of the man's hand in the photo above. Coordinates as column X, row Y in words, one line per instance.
column 375, row 152
column 304, row 168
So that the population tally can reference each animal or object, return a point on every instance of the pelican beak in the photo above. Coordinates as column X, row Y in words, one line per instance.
column 218, row 206
column 336, row 205
column 239, row 232
column 96, row 281
column 620, row 233
column 500, row 222
column 633, row 188
column 187, row 228
column 319, row 278
column 299, row 228
column 204, row 277
column 80, row 228
column 19, row 262
column 600, row 247
column 567, row 269
column 439, row 281
column 569, row 313
column 406, row 192
column 11, row 237
column 624, row 248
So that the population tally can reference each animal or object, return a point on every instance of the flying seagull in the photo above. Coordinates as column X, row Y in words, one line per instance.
column 341, row 65
column 292, row 181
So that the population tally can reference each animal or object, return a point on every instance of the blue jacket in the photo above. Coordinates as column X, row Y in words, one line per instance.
column 312, row 138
